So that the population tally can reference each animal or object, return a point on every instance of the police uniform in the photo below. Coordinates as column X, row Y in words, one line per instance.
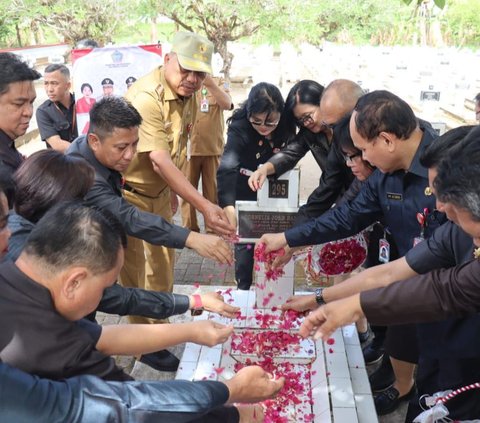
column 203, row 153
column 107, row 82
column 245, row 150
column 167, row 122
column 53, row 118
column 129, row 81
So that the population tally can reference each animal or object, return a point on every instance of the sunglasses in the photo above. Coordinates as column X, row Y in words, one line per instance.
column 266, row 124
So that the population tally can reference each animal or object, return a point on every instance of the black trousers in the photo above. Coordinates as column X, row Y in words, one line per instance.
column 244, row 265
column 401, row 343
column 225, row 414
column 445, row 374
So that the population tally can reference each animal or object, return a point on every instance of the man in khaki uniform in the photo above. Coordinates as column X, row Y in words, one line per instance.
column 206, row 146
column 165, row 100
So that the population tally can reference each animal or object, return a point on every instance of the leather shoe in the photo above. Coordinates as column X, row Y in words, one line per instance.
column 373, row 352
column 366, row 337
column 389, row 400
column 383, row 377
column 163, row 361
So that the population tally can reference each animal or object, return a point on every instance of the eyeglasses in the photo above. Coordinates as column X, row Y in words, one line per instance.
column 307, row 119
column 349, row 157
column 266, row 124
column 199, row 75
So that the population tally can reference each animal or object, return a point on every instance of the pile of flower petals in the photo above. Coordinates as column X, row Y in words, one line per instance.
column 265, row 342
column 261, row 256
column 336, row 258
column 294, row 388
column 288, row 319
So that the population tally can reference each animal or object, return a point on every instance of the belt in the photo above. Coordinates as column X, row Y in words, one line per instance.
column 128, row 188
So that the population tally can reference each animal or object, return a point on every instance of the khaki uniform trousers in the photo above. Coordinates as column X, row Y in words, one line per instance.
column 206, row 167
column 148, row 266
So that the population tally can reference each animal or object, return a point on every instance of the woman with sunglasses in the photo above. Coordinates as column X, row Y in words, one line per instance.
column 256, row 131
column 315, row 111
column 301, row 110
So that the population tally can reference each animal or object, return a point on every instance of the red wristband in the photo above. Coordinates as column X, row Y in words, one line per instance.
column 197, row 302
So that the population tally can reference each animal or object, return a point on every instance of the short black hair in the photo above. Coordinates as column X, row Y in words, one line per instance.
column 72, row 234
column 58, row 67
column 87, row 43
column 457, row 180
column 383, row 111
column 304, row 92
column 86, row 84
column 477, row 98
column 264, row 98
column 48, row 177
column 13, row 69
column 438, row 149
column 110, row 113
column 341, row 135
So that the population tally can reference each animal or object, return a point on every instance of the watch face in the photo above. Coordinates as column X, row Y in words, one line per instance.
column 319, row 296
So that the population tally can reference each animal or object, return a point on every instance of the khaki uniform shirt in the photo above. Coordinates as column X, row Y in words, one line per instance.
column 167, row 121
column 207, row 133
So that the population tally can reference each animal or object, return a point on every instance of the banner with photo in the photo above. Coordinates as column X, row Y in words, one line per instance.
column 108, row 71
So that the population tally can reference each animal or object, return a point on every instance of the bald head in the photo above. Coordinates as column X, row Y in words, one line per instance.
column 339, row 98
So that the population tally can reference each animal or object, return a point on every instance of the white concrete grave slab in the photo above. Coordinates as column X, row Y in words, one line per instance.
column 328, row 380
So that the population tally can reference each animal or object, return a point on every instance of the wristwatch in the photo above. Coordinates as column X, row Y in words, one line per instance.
column 319, row 296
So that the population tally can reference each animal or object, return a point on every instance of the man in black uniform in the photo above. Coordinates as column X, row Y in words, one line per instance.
column 17, row 94
column 449, row 357
column 394, row 192
column 56, row 116
column 109, row 148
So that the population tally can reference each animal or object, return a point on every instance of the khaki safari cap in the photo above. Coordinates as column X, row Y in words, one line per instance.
column 194, row 52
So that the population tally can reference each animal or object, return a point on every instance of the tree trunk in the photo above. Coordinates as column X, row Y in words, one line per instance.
column 19, row 35
column 153, row 30
column 222, row 49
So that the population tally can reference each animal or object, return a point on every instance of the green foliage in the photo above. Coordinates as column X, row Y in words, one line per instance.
column 462, row 23
column 438, row 3
column 257, row 21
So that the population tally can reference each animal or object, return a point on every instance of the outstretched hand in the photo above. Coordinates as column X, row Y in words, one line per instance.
column 253, row 384
column 210, row 333
column 216, row 219
column 257, row 178
column 326, row 319
column 210, row 246
column 213, row 301
column 300, row 303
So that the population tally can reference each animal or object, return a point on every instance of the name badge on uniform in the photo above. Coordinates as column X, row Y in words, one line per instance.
column 418, row 240
column 394, row 196
column 189, row 149
column 204, row 101
column 204, row 105
column 383, row 251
